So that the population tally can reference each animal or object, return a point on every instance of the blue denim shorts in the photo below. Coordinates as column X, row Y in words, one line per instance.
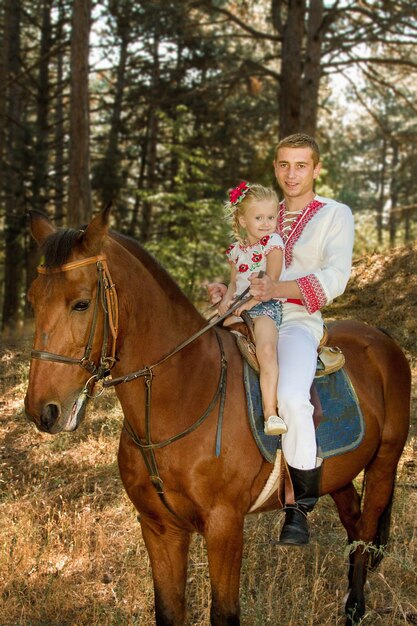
column 271, row 308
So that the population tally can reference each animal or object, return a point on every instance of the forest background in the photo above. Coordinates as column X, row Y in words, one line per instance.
column 160, row 106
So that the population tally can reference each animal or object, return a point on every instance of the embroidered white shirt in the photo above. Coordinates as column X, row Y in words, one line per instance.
column 318, row 250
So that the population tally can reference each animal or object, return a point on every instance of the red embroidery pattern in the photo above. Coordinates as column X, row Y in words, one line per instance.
column 297, row 227
column 313, row 293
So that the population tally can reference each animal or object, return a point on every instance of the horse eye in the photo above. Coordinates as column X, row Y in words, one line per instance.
column 82, row 305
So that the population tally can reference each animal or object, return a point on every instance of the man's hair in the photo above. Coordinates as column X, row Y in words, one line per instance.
column 300, row 140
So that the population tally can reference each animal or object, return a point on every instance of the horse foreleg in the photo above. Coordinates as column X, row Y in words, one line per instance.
column 168, row 553
column 224, row 540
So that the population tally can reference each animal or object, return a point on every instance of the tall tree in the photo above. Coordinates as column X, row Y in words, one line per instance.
column 187, row 98
column 108, row 179
column 58, row 115
column 41, row 127
column 40, row 153
column 79, row 191
column 4, row 44
column 13, row 158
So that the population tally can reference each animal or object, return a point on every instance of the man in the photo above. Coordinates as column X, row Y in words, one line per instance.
column 318, row 236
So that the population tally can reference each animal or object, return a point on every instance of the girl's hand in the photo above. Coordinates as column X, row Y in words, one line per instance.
column 224, row 306
column 245, row 307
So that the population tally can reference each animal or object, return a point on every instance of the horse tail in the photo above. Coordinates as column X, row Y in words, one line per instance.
column 382, row 534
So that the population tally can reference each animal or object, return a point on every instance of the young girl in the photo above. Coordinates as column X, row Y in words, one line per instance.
column 253, row 210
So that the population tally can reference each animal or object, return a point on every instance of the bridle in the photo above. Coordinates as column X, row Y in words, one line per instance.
column 106, row 296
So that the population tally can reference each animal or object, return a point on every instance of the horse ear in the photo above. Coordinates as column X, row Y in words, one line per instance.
column 96, row 231
column 40, row 226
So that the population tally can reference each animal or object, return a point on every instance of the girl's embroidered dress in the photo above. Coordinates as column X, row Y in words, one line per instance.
column 250, row 259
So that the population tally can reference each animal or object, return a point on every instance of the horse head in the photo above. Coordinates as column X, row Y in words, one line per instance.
column 76, row 316
column 67, row 298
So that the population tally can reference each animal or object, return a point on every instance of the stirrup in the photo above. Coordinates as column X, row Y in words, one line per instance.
column 295, row 530
column 292, row 507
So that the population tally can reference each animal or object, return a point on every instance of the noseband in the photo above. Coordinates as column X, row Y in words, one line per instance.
column 106, row 296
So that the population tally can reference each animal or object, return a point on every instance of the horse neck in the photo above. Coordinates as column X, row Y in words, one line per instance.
column 155, row 316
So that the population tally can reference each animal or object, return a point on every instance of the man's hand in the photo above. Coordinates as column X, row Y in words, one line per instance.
column 262, row 289
column 216, row 292
column 265, row 288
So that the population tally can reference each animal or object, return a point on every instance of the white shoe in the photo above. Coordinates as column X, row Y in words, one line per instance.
column 274, row 425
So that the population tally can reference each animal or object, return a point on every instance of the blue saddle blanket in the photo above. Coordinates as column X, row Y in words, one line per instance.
column 340, row 421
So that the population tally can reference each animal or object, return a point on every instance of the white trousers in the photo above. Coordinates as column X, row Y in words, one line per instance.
column 297, row 358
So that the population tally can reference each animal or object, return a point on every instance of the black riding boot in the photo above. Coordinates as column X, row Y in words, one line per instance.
column 306, row 485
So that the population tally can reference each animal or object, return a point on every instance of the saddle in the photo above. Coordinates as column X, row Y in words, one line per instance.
column 324, row 390
column 329, row 358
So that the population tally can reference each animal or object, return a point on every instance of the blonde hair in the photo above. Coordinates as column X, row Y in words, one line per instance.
column 255, row 193
column 300, row 140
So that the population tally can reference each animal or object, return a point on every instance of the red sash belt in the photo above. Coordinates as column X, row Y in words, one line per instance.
column 295, row 301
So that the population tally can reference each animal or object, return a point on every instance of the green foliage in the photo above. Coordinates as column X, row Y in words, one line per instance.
column 190, row 233
column 370, row 165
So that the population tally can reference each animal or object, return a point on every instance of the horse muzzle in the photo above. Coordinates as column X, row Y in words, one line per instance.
column 54, row 418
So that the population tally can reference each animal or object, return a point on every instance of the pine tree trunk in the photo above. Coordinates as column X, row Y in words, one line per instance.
column 40, row 174
column 153, row 129
column 301, row 51
column 13, row 179
column 394, row 194
column 58, row 115
column 79, row 192
column 4, row 43
column 381, row 199
column 312, row 69
column 291, row 69
column 110, row 178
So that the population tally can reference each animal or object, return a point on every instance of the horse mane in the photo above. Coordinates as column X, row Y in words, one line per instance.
column 57, row 249
column 159, row 273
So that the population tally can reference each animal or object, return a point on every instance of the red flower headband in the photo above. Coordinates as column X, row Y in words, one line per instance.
column 238, row 193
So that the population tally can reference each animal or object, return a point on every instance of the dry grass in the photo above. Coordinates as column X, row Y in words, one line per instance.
column 71, row 549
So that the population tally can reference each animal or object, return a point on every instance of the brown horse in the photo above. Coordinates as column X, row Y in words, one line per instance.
column 173, row 394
